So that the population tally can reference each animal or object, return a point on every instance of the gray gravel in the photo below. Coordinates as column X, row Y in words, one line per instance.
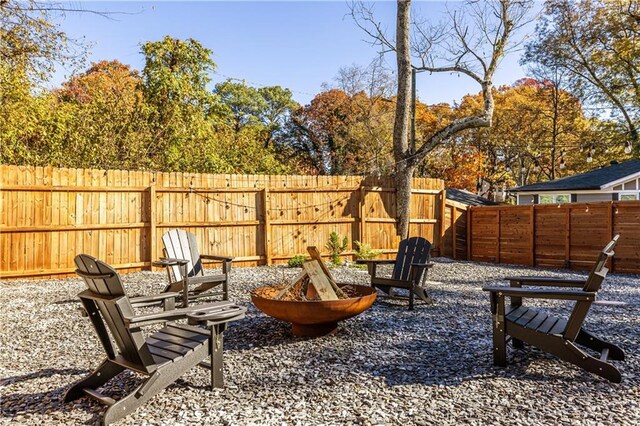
column 386, row 366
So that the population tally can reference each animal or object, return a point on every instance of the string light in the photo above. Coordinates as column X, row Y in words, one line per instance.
column 592, row 150
column 563, row 152
column 627, row 147
column 536, row 166
column 589, row 157
column 562, row 165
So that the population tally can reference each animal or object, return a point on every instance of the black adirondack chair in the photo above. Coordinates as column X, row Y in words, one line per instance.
column 164, row 356
column 557, row 336
column 410, row 264
column 180, row 245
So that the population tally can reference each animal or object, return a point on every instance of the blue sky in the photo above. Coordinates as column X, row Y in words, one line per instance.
column 298, row 45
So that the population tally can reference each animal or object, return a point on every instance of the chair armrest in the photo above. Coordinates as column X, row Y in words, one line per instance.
column 218, row 258
column 154, row 318
column 154, row 298
column 165, row 261
column 611, row 303
column 175, row 314
column 422, row 265
column 546, row 281
column 215, row 316
column 541, row 294
column 375, row 261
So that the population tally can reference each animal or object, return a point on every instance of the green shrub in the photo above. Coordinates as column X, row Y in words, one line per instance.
column 296, row 261
column 365, row 252
column 336, row 247
column 357, row 266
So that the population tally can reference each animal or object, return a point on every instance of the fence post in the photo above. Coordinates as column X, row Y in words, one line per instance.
column 454, row 234
column 567, row 241
column 443, row 202
column 469, row 210
column 611, row 232
column 362, row 212
column 498, row 235
column 267, row 225
column 532, row 237
column 152, row 224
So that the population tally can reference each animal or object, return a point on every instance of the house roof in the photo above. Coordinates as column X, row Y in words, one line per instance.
column 468, row 198
column 594, row 179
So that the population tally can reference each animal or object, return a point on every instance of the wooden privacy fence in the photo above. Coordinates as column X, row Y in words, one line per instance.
column 556, row 235
column 48, row 215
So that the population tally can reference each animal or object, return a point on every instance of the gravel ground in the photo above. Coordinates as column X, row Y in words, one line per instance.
column 386, row 366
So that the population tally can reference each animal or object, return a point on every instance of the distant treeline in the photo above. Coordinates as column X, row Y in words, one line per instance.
column 168, row 117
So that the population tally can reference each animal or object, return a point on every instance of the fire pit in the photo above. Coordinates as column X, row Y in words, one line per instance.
column 314, row 318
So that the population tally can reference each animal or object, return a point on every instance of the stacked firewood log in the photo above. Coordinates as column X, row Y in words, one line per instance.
column 313, row 283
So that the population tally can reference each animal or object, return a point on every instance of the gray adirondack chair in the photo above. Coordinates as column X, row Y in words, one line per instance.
column 163, row 357
column 182, row 245
column 552, row 334
column 410, row 265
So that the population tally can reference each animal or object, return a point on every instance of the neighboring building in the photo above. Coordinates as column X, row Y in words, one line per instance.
column 468, row 198
column 618, row 181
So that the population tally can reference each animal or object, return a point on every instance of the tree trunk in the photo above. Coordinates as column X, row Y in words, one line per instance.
column 401, row 152
column 402, row 179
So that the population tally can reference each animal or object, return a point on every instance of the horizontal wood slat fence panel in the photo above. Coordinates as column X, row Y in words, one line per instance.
column 48, row 215
column 556, row 236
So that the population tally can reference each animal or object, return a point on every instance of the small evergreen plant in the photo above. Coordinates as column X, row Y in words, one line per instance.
column 296, row 261
column 365, row 251
column 336, row 247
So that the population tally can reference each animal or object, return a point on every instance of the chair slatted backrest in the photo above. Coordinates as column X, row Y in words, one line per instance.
column 180, row 244
column 113, row 306
column 594, row 282
column 411, row 250
column 599, row 271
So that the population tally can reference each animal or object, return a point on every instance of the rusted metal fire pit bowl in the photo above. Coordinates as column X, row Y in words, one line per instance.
column 316, row 318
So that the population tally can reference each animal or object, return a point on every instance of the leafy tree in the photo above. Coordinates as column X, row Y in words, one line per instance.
column 30, row 45
column 597, row 42
column 266, row 109
column 31, row 42
column 536, row 127
column 471, row 43
column 342, row 134
column 110, row 117
column 279, row 105
column 175, row 77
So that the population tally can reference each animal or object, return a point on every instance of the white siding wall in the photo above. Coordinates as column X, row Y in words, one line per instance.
column 592, row 198
column 525, row 199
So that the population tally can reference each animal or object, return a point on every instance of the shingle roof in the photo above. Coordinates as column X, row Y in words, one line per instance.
column 468, row 198
column 593, row 179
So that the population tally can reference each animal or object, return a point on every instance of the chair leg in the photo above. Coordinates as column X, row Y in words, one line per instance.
column 499, row 334
column 155, row 383
column 499, row 345
column 101, row 375
column 215, row 349
column 587, row 339
column 422, row 293
column 225, row 289
column 412, row 296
